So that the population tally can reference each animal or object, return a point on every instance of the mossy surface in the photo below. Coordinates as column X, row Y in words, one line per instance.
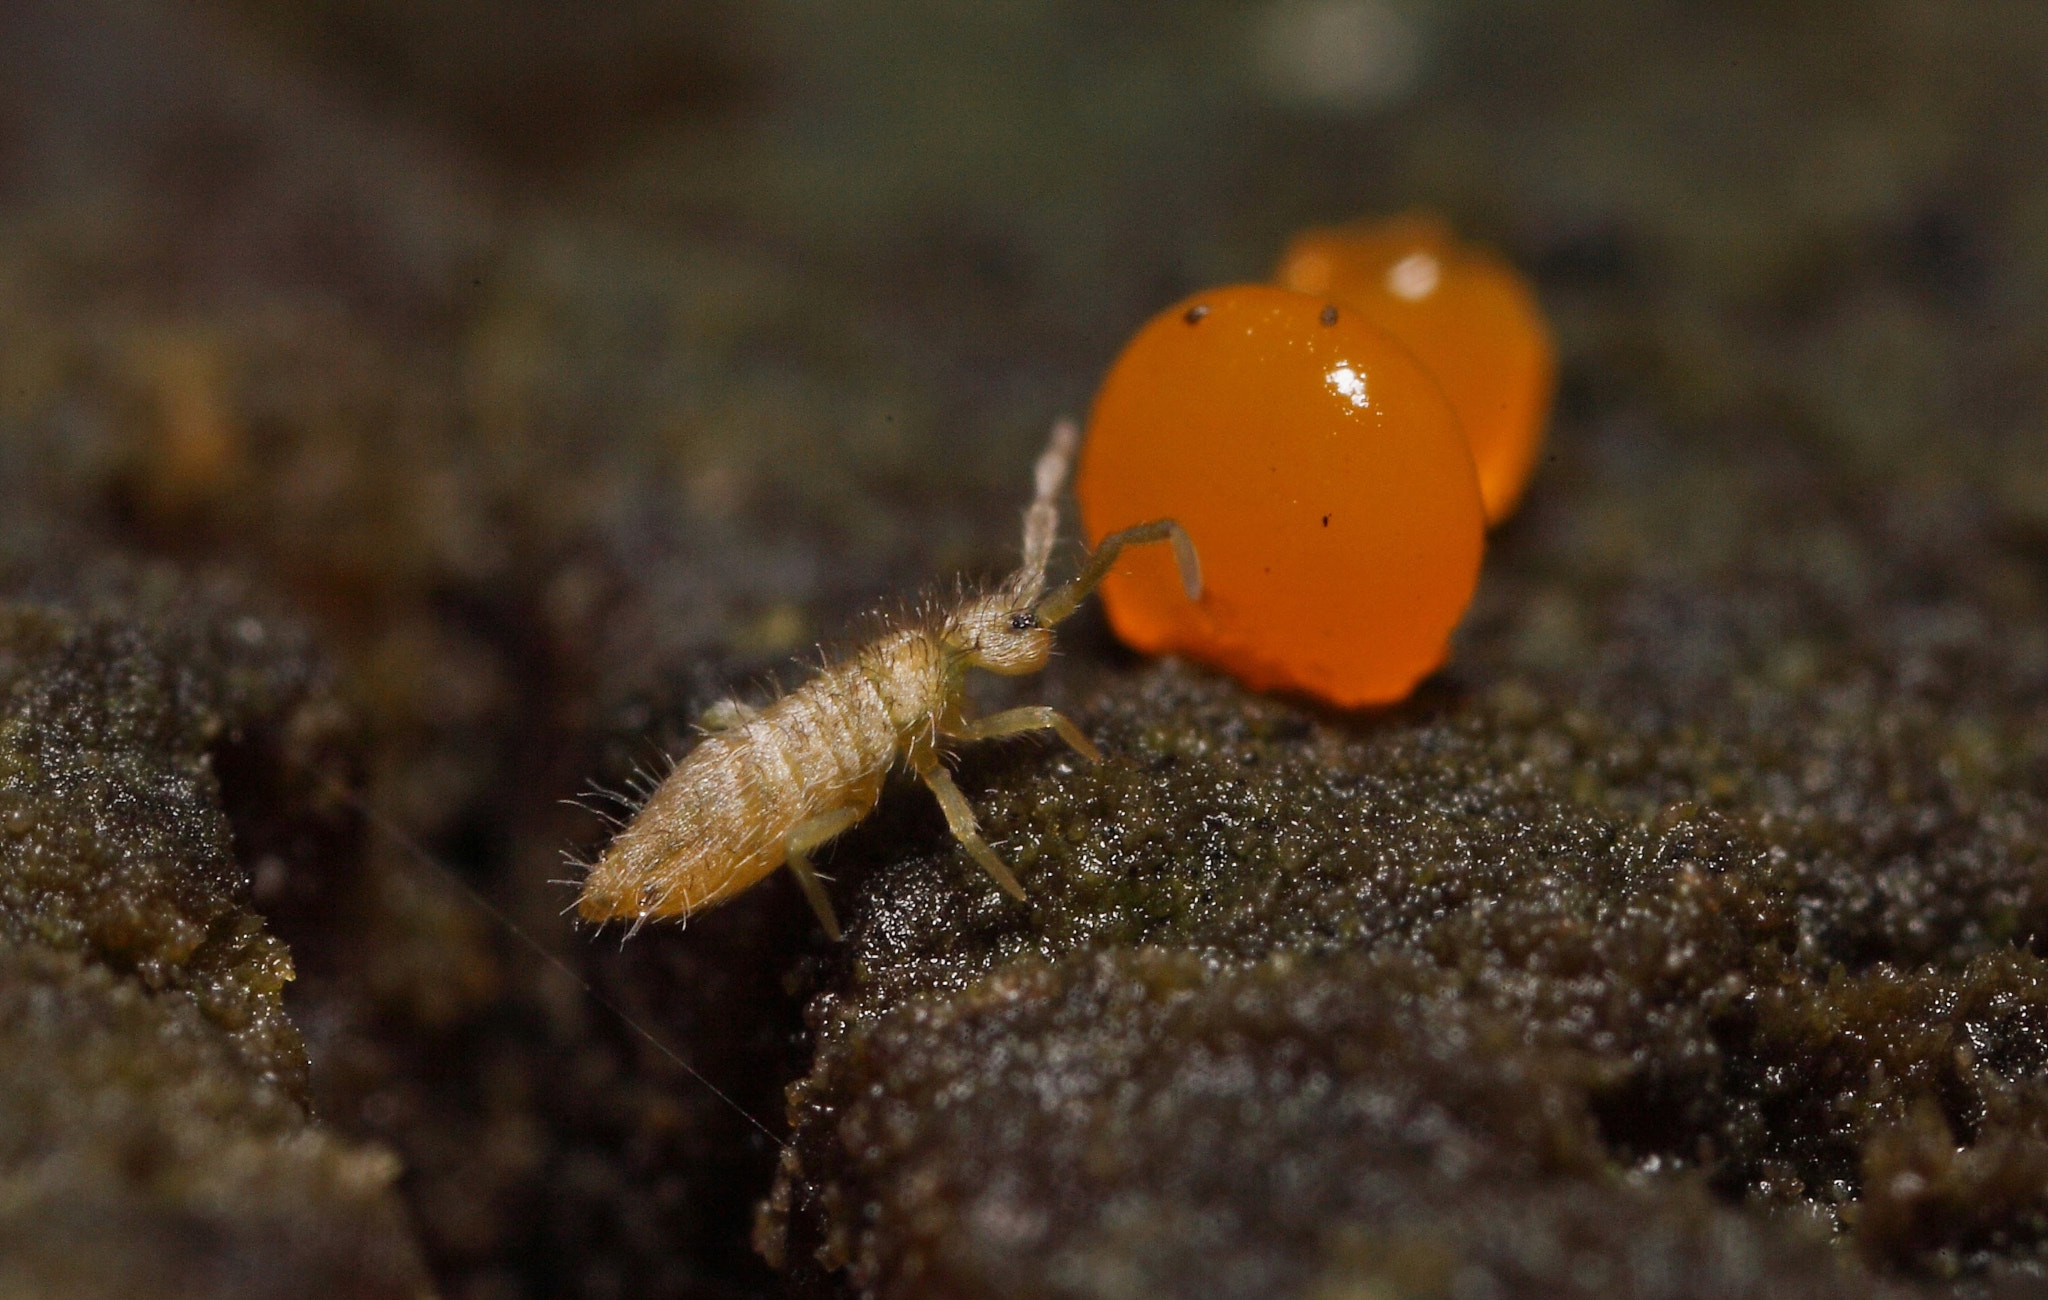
column 155, row 1098
column 1713, row 997
column 550, row 375
column 1138, row 1120
column 143, row 1157
column 118, row 846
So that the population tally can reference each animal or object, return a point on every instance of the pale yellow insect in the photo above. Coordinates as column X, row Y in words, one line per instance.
column 768, row 786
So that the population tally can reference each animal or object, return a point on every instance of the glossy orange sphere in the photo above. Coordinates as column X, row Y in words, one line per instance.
column 1465, row 312
column 1322, row 476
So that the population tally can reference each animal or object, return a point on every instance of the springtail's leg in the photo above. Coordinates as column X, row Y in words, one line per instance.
column 961, row 821
column 1011, row 722
column 1068, row 597
column 807, row 836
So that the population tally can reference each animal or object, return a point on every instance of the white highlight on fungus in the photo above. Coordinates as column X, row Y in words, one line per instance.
column 1414, row 277
column 1348, row 384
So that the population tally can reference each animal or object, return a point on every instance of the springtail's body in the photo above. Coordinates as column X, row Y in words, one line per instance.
column 768, row 786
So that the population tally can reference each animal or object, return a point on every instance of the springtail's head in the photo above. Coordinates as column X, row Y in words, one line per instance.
column 1003, row 631
column 996, row 633
column 1009, row 630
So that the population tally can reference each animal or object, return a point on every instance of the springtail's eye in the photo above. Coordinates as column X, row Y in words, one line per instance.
column 1023, row 622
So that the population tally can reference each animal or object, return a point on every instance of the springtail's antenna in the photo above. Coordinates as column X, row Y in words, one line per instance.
column 1042, row 516
column 1042, row 526
column 1071, row 593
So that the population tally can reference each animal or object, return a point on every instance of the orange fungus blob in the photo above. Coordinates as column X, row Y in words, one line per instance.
column 1465, row 312
column 1322, row 476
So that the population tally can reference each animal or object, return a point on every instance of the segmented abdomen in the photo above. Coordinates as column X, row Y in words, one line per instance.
column 722, row 819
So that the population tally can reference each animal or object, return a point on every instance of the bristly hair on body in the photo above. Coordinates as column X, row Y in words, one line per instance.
column 768, row 784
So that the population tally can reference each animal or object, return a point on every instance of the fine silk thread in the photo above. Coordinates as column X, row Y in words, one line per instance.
column 420, row 853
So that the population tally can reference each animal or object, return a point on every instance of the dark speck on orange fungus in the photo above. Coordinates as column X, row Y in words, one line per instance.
column 1465, row 312
column 1323, row 478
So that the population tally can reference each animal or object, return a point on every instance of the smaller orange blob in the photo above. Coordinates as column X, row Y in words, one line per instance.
column 1323, row 478
column 1465, row 312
